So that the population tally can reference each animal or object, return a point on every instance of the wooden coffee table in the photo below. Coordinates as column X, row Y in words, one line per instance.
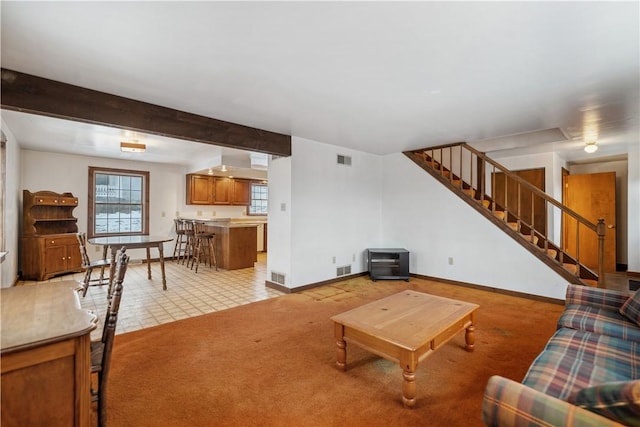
column 404, row 328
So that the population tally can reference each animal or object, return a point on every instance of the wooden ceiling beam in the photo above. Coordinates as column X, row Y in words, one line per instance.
column 37, row 95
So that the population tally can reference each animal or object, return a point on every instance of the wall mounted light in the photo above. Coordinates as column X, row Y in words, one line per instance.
column 591, row 147
column 132, row 147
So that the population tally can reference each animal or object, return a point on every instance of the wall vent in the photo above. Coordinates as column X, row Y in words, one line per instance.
column 277, row 278
column 344, row 160
column 341, row 271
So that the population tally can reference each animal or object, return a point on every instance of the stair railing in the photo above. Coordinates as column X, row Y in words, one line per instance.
column 451, row 161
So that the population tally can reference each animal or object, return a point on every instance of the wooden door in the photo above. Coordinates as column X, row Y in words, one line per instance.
column 593, row 196
column 518, row 200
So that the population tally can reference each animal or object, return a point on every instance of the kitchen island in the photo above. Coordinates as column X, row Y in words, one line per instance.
column 236, row 242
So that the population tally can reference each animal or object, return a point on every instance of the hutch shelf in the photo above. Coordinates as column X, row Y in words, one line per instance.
column 49, row 243
column 391, row 263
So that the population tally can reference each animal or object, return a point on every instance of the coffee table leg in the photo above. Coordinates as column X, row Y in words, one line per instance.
column 409, row 388
column 470, row 338
column 341, row 350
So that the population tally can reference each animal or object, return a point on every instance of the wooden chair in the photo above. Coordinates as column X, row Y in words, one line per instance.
column 204, row 246
column 101, row 350
column 89, row 266
column 182, row 239
column 188, row 227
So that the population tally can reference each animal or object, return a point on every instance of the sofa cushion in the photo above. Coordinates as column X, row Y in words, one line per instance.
column 619, row 401
column 600, row 320
column 631, row 308
column 605, row 298
column 575, row 359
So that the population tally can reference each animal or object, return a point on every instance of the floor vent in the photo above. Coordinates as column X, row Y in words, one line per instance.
column 344, row 160
column 341, row 271
column 277, row 277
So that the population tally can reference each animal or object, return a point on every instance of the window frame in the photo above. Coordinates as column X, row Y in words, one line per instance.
column 258, row 184
column 91, row 209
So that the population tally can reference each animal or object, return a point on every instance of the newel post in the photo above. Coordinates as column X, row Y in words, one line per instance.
column 601, row 229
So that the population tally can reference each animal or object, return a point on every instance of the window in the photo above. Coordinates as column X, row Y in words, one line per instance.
column 118, row 202
column 259, row 199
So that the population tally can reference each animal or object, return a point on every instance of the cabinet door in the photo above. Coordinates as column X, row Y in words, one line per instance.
column 74, row 261
column 55, row 259
column 222, row 191
column 199, row 190
column 241, row 192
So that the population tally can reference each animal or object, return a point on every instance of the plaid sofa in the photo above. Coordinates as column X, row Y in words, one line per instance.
column 588, row 373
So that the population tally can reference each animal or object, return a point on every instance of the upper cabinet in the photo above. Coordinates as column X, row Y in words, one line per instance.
column 216, row 190
column 199, row 190
column 222, row 190
column 241, row 192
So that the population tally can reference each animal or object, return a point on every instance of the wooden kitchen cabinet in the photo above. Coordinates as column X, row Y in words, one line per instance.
column 241, row 192
column 49, row 244
column 217, row 190
column 200, row 190
column 222, row 190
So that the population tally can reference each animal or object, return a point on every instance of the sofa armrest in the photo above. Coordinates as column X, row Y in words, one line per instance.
column 606, row 298
column 509, row 403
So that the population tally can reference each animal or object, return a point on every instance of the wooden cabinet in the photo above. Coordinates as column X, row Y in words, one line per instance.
column 241, row 192
column 200, row 190
column 49, row 244
column 46, row 356
column 222, row 190
column 217, row 190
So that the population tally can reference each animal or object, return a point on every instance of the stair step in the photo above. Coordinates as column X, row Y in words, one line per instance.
column 456, row 182
column 528, row 238
column 572, row 268
column 469, row 192
column 513, row 225
column 486, row 204
column 500, row 215
column 551, row 252
column 590, row 282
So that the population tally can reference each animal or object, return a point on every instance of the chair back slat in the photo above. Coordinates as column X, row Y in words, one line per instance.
column 82, row 242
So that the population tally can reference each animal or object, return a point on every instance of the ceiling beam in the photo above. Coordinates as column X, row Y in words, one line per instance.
column 37, row 95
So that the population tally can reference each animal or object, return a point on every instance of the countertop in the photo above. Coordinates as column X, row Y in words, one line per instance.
column 231, row 222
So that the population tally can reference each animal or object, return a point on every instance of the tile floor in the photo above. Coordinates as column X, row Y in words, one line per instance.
column 145, row 304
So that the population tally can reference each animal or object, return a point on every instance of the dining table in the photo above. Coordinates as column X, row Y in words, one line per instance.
column 133, row 241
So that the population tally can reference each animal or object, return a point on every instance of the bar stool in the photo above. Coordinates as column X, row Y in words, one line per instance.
column 205, row 242
column 187, row 227
column 182, row 239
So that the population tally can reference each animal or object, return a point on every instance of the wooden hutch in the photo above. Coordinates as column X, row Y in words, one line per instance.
column 49, row 244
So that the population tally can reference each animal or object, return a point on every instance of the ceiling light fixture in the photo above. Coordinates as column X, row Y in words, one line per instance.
column 132, row 147
column 591, row 147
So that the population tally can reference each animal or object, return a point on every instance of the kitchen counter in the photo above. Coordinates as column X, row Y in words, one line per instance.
column 236, row 242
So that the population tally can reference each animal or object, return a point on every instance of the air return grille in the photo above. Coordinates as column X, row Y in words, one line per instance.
column 344, row 160
column 277, row 277
column 341, row 271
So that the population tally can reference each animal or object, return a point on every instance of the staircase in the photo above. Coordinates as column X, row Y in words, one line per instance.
column 472, row 176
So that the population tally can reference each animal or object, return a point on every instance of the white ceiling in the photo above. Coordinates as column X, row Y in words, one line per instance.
column 379, row 77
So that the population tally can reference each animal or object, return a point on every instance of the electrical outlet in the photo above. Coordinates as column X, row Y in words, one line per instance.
column 199, row 213
column 333, row 259
column 283, row 207
column 450, row 260
column 353, row 257
column 213, row 213
column 177, row 214
column 163, row 214
column 98, row 248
